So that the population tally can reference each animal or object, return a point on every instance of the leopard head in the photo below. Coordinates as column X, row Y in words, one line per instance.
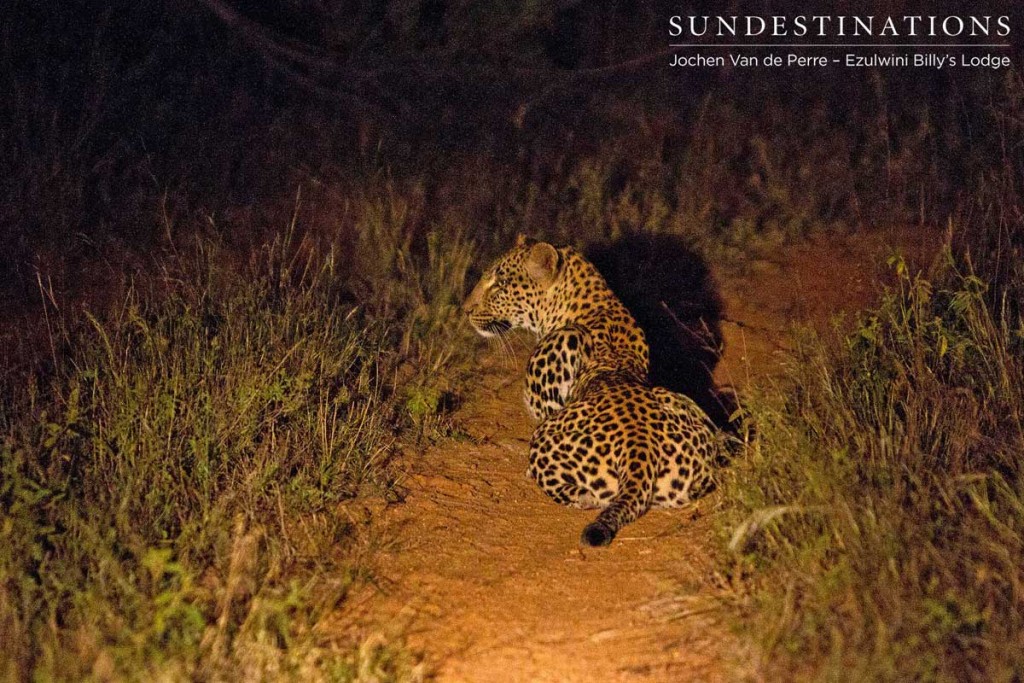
column 512, row 293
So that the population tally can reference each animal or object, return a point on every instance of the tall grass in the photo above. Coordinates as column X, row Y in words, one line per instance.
column 881, row 510
column 168, row 504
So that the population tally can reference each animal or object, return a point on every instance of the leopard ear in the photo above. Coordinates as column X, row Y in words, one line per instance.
column 524, row 241
column 543, row 263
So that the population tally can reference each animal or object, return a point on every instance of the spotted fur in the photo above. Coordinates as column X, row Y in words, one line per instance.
column 606, row 438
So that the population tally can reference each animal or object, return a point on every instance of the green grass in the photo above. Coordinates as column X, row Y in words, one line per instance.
column 170, row 483
column 878, row 518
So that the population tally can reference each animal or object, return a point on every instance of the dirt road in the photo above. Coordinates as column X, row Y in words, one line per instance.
column 487, row 579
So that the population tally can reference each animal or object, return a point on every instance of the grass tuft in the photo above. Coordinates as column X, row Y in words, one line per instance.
column 881, row 509
column 169, row 488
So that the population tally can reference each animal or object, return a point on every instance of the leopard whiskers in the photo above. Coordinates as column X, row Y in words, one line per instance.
column 508, row 355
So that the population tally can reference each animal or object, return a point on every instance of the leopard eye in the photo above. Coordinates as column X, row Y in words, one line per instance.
column 502, row 282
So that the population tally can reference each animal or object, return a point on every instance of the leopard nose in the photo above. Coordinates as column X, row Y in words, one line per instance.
column 470, row 303
column 473, row 299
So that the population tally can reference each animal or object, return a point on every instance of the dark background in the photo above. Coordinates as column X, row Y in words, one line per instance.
column 128, row 124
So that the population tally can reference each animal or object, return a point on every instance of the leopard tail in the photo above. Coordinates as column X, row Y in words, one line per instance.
column 636, row 490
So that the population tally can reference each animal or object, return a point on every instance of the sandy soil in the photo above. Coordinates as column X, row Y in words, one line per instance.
column 486, row 578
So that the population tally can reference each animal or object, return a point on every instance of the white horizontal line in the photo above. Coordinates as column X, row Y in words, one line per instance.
column 838, row 45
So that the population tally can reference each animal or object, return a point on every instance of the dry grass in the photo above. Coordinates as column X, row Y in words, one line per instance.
column 881, row 506
column 170, row 479
column 877, row 520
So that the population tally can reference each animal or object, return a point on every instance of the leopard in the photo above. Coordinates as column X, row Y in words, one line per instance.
column 606, row 438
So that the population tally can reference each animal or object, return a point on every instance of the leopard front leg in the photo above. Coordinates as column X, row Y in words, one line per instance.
column 553, row 368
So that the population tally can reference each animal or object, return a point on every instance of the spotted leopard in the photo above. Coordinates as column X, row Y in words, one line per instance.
column 606, row 439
